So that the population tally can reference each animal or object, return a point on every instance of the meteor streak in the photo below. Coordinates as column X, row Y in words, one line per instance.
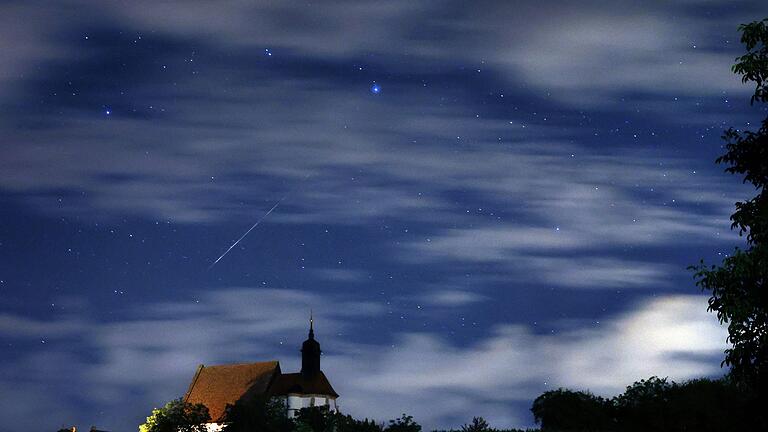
column 249, row 230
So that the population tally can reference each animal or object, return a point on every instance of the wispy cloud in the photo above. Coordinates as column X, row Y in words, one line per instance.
column 381, row 152
column 452, row 297
column 340, row 274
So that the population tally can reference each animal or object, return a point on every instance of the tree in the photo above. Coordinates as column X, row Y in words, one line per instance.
column 568, row 410
column 320, row 419
column 345, row 423
column 644, row 406
column 403, row 424
column 651, row 405
column 707, row 405
column 739, row 294
column 478, row 425
column 315, row 419
column 177, row 416
column 263, row 414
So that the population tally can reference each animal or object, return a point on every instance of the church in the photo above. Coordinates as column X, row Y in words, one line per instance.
column 216, row 387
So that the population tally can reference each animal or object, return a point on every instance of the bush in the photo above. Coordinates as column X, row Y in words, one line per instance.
column 567, row 410
column 403, row 424
column 177, row 416
column 262, row 414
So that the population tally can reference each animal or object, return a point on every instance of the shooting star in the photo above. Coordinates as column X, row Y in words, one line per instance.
column 249, row 230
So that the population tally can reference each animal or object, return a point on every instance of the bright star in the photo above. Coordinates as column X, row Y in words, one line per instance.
column 375, row 88
column 108, row 112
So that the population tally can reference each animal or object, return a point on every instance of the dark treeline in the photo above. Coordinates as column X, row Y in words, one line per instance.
column 479, row 424
column 650, row 405
column 270, row 415
column 322, row 420
column 655, row 404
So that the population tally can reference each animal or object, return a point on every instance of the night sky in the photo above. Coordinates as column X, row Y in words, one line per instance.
column 479, row 201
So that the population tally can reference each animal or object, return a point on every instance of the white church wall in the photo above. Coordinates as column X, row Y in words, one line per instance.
column 214, row 427
column 296, row 403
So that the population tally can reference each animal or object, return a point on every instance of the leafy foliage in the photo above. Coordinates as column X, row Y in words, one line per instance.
column 644, row 405
column 653, row 404
column 345, row 423
column 403, row 424
column 753, row 66
column 262, row 414
column 708, row 405
column 567, row 410
column 738, row 285
column 177, row 416
column 316, row 419
column 320, row 419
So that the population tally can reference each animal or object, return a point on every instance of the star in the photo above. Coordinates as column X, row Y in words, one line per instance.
column 375, row 88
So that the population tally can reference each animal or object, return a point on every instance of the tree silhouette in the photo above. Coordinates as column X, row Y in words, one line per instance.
column 263, row 414
column 738, row 286
column 707, row 405
column 345, row 423
column 568, row 410
column 403, row 424
column 650, row 405
column 478, row 425
column 644, row 406
column 316, row 419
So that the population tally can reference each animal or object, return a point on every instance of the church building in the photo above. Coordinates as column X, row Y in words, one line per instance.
column 216, row 387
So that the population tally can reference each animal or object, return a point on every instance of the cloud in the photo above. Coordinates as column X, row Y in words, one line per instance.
column 527, row 194
column 650, row 49
column 217, row 170
column 364, row 159
column 579, row 231
column 340, row 274
column 653, row 49
column 126, row 367
column 631, row 51
column 452, row 297
column 25, row 46
column 581, row 272
column 20, row 326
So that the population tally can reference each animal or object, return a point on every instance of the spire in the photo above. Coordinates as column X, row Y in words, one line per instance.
column 310, row 352
column 311, row 326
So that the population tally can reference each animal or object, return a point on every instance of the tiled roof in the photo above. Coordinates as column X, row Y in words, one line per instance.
column 217, row 386
column 296, row 383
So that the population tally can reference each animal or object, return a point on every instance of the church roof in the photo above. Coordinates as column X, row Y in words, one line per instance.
column 217, row 386
column 291, row 383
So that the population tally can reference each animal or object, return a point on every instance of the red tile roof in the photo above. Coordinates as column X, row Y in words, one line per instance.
column 217, row 386
column 296, row 383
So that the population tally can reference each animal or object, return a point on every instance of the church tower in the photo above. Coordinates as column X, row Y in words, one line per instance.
column 310, row 354
column 218, row 387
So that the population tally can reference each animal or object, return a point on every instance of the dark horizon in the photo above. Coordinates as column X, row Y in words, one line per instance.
column 478, row 203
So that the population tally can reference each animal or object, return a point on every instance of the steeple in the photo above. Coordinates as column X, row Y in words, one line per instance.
column 310, row 353
column 311, row 326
